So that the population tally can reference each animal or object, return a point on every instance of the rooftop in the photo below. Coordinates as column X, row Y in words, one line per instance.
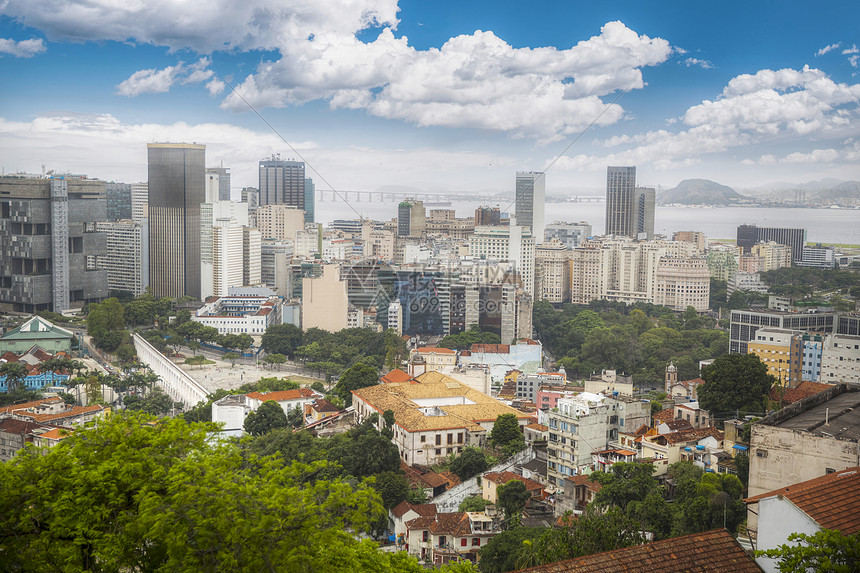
column 436, row 402
column 395, row 376
column 505, row 477
column 423, row 509
column 700, row 552
column 834, row 412
column 37, row 328
column 833, row 500
column 284, row 395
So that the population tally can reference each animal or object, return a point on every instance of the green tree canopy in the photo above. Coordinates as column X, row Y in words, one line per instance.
column 14, row 373
column 392, row 487
column 469, row 463
column 135, row 494
column 512, row 498
column 506, row 434
column 269, row 416
column 735, row 382
column 473, row 503
column 106, row 324
column 355, row 378
column 825, row 550
column 282, row 339
column 502, row 552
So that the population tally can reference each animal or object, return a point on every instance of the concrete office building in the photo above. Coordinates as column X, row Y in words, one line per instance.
column 620, row 189
column 275, row 272
column 251, row 196
column 126, row 258
column 139, row 201
column 176, row 187
column 118, row 201
column 749, row 235
column 840, row 359
column 411, row 218
column 486, row 216
column 570, row 234
column 282, row 182
column 49, row 245
column 745, row 323
column 217, row 213
column 252, row 248
column 223, row 174
column 530, row 200
column 512, row 243
column 772, row 255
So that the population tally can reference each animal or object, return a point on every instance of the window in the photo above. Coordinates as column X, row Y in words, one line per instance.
column 438, row 452
column 423, row 439
column 438, row 439
column 450, row 439
column 761, row 453
column 424, row 536
column 464, row 542
column 442, row 541
column 460, row 438
column 476, row 542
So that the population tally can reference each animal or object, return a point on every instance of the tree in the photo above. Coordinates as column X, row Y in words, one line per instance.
column 231, row 357
column 106, row 324
column 14, row 373
column 268, row 417
column 156, row 402
column 735, row 382
column 355, row 378
column 56, row 365
column 502, row 552
column 244, row 341
column 392, row 487
column 318, row 387
column 272, row 359
column 714, row 500
column 469, row 463
column 180, row 501
column 363, row 452
column 282, row 339
column 506, row 434
column 473, row 503
column 512, row 498
column 296, row 418
column 825, row 550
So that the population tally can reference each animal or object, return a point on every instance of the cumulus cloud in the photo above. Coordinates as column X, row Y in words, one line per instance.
column 786, row 105
column 852, row 50
column 478, row 80
column 160, row 81
column 23, row 48
column 826, row 49
column 689, row 62
column 148, row 81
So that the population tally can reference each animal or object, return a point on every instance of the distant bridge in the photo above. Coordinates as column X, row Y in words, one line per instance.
column 326, row 196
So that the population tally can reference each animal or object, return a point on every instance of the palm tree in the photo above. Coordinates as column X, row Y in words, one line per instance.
column 56, row 364
column 15, row 373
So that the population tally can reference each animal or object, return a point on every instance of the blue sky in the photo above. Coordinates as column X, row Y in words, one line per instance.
column 441, row 96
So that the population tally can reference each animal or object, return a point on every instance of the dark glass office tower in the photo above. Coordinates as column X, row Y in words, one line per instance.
column 282, row 182
column 177, row 173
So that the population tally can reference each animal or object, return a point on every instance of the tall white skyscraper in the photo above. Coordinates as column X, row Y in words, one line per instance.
column 531, row 196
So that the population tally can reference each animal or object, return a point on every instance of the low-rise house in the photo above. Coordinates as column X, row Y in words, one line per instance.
column 32, row 360
column 15, row 434
column 231, row 410
column 692, row 413
column 579, row 491
column 610, row 382
column 319, row 409
column 787, row 396
column 449, row 537
column 709, row 551
column 54, row 412
column 548, row 396
column 673, row 425
column 431, row 359
column 404, row 512
column 831, row 501
column 605, row 459
column 665, row 449
column 492, row 480
column 535, row 433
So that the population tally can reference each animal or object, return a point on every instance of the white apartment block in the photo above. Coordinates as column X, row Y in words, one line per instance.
column 235, row 314
column 127, row 258
column 512, row 243
column 840, row 359
column 139, row 201
column 571, row 234
column 227, row 258
column 682, row 283
column 252, row 256
column 772, row 255
column 280, row 221
column 552, row 271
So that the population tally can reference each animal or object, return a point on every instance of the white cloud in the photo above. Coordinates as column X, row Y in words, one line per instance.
column 854, row 60
column 689, row 62
column 814, row 156
column 852, row 50
column 476, row 80
column 826, row 49
column 160, row 81
column 149, row 81
column 23, row 48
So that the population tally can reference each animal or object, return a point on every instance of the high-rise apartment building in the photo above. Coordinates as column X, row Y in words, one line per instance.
column 280, row 221
column 552, row 271
column 772, row 255
column 139, row 201
column 126, row 258
column 176, row 188
column 227, row 251
column 530, row 199
column 49, row 245
column 223, row 174
column 512, row 243
column 218, row 213
column 629, row 209
column 282, row 182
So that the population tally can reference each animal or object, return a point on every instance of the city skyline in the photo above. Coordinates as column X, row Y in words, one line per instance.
column 378, row 93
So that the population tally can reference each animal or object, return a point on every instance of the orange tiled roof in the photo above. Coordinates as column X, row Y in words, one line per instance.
column 454, row 523
column 491, row 348
column 70, row 413
column 422, row 509
column 505, row 477
column 692, row 435
column 833, row 500
column 283, row 395
column 26, row 405
column 396, row 376
column 697, row 553
column 798, row 393
column 538, row 427
column 663, row 415
column 678, row 424
column 56, row 434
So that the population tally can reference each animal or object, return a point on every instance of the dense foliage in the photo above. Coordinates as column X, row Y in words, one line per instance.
column 136, row 494
column 355, row 378
column 506, row 434
column 802, row 282
column 735, row 382
column 334, row 352
column 464, row 340
column 640, row 339
column 825, row 550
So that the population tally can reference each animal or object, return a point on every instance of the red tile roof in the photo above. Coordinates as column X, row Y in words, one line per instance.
column 396, row 376
column 70, row 413
column 437, row 350
column 833, row 500
column 455, row 523
column 677, row 424
column 283, row 395
column 697, row 553
column 538, row 427
column 798, row 393
column 26, row 405
column 692, row 435
column 491, row 348
column 19, row 427
column 663, row 416
column 422, row 509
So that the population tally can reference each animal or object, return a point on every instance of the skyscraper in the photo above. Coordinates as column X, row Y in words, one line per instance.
column 176, row 186
column 223, row 182
column 282, row 182
column 620, row 189
column 310, row 200
column 629, row 209
column 530, row 198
